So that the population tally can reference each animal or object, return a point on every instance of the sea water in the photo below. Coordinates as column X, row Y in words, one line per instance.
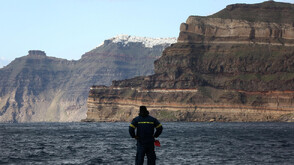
column 181, row 143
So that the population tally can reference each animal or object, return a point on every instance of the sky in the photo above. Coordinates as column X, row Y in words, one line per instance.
column 69, row 28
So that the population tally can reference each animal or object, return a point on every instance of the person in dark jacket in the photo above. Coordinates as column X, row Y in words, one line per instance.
column 145, row 125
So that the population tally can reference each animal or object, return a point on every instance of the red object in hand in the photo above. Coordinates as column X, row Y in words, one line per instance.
column 157, row 143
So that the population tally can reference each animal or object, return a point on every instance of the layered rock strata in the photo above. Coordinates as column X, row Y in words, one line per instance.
column 224, row 67
column 39, row 88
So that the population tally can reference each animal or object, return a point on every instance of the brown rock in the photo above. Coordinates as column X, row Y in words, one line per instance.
column 236, row 65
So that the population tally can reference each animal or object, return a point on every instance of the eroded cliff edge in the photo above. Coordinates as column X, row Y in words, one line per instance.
column 235, row 65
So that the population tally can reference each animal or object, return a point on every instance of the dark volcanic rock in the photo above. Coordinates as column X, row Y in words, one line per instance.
column 235, row 65
column 37, row 53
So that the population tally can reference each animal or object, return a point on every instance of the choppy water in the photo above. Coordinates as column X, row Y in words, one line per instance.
column 182, row 143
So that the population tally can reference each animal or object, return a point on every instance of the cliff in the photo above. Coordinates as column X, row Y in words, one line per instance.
column 235, row 65
column 30, row 87
column 40, row 88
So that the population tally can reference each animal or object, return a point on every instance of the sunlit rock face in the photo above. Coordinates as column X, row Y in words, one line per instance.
column 235, row 65
column 40, row 88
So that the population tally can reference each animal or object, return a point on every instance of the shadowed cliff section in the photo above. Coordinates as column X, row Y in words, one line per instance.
column 235, row 65
column 39, row 88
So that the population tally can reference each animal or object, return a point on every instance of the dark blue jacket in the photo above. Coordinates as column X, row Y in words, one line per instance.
column 145, row 126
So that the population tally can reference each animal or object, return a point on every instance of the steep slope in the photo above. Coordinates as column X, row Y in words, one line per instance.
column 118, row 58
column 29, row 84
column 38, row 88
column 235, row 65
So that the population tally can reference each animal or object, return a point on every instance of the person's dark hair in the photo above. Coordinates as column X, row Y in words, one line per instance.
column 143, row 111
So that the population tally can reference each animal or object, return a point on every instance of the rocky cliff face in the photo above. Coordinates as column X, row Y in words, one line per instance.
column 235, row 65
column 29, row 84
column 37, row 88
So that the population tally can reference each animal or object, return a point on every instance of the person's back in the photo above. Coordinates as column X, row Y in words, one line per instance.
column 145, row 126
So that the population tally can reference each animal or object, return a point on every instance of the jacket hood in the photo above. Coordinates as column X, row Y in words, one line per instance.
column 143, row 111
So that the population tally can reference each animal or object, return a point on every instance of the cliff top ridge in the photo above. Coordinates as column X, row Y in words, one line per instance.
column 268, row 11
column 36, row 53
